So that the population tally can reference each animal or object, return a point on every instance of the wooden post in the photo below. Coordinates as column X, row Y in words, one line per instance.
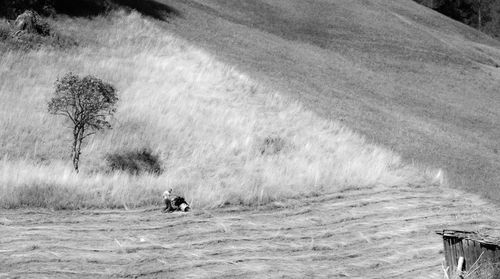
column 460, row 267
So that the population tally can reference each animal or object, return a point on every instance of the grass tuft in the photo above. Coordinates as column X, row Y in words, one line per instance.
column 135, row 162
column 272, row 145
column 27, row 41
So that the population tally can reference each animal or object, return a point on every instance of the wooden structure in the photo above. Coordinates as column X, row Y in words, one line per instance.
column 467, row 252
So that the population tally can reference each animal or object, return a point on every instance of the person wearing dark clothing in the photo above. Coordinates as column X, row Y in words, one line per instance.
column 174, row 203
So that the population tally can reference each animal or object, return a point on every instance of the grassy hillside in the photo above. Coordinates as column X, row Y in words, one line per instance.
column 401, row 74
column 207, row 121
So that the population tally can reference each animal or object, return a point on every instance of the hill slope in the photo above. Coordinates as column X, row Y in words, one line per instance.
column 399, row 73
column 221, row 137
column 325, row 199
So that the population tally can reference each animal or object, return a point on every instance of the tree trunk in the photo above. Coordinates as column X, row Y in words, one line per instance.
column 74, row 151
column 76, row 159
column 77, row 146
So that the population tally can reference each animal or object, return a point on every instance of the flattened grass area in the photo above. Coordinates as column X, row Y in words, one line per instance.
column 206, row 121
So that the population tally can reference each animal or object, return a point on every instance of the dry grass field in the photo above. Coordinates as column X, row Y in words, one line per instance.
column 207, row 122
column 205, row 89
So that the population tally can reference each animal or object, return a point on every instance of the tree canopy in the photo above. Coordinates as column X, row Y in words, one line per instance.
column 87, row 102
column 480, row 14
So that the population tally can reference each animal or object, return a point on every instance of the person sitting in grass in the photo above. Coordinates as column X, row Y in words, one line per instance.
column 174, row 203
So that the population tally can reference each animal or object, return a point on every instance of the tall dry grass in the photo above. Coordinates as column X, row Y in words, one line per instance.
column 205, row 119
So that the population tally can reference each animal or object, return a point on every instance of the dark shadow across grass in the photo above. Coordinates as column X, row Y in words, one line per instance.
column 86, row 8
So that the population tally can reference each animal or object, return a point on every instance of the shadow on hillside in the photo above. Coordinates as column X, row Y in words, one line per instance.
column 89, row 8
column 86, row 8
column 149, row 8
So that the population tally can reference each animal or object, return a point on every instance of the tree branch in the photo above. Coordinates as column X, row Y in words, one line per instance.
column 87, row 135
column 70, row 117
column 65, row 113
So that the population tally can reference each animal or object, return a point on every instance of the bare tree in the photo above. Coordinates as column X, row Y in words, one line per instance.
column 88, row 103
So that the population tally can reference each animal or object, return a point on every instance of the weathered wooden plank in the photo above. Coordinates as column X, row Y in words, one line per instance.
column 457, row 248
column 476, row 250
column 472, row 253
column 453, row 255
column 467, row 254
column 447, row 254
